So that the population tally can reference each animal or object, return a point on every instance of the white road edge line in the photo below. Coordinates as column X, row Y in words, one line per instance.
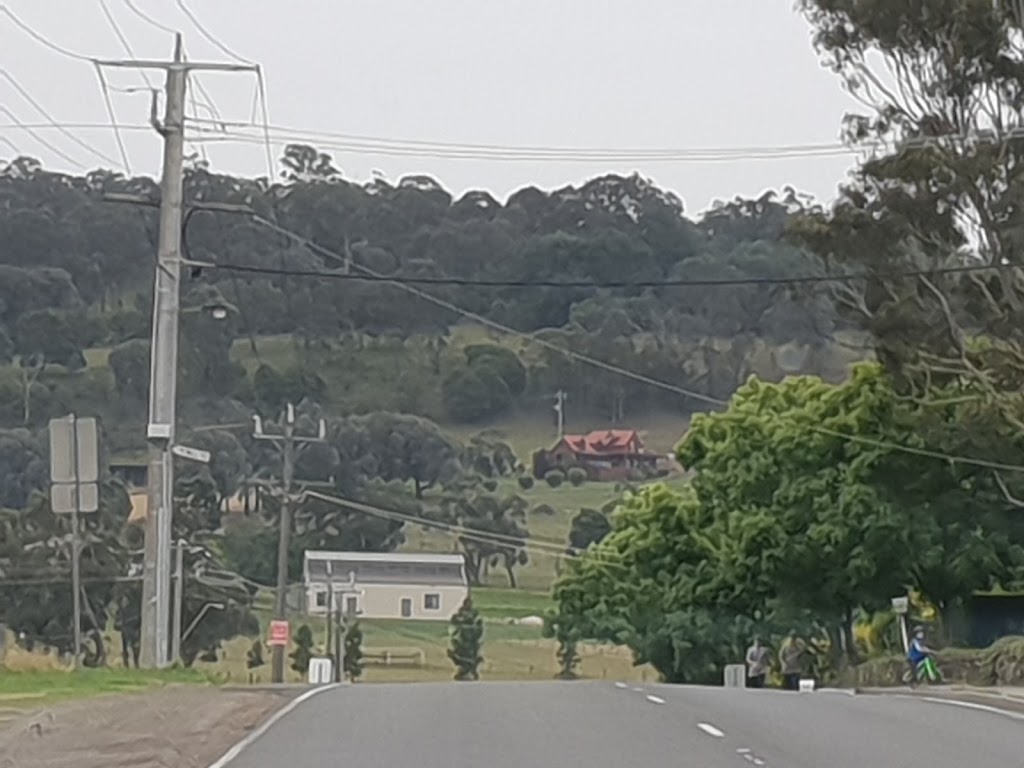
column 710, row 730
column 972, row 705
column 236, row 750
column 655, row 699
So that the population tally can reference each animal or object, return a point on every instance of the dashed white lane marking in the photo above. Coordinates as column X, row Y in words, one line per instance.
column 621, row 685
column 655, row 699
column 638, row 690
column 972, row 705
column 710, row 730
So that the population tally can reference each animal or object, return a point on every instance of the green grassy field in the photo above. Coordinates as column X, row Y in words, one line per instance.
column 511, row 651
column 542, row 569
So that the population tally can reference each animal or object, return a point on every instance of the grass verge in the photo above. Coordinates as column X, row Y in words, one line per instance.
column 38, row 687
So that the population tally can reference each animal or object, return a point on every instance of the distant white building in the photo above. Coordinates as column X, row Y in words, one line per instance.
column 386, row 585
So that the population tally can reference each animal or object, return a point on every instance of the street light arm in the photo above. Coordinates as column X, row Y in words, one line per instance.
column 195, row 622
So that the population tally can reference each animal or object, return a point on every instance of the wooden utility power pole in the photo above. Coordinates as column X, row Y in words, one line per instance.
column 163, row 370
column 290, row 445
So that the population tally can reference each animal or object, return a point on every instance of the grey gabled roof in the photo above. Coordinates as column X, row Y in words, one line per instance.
column 417, row 569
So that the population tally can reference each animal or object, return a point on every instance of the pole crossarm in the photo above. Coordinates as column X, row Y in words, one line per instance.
column 176, row 66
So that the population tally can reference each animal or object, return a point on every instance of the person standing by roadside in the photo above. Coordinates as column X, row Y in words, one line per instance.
column 792, row 658
column 757, row 664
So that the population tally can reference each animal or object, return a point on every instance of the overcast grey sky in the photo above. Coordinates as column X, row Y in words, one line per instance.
column 553, row 73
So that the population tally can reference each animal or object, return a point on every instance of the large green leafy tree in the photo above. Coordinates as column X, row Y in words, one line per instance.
column 811, row 502
column 658, row 585
column 830, row 514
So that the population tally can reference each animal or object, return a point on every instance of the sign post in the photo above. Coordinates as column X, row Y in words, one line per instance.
column 901, row 606
column 74, row 489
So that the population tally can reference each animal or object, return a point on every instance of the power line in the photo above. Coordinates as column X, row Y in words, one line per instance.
column 261, row 83
column 383, row 149
column 124, row 41
column 51, row 121
column 534, row 151
column 626, row 373
column 53, row 148
column 984, row 463
column 149, row 19
column 93, row 126
column 661, row 283
column 57, row 581
column 41, row 39
column 209, row 35
column 113, row 118
column 506, row 540
column 265, row 113
column 491, row 323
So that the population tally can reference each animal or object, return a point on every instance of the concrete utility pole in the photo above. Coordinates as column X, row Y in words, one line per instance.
column 163, row 370
column 179, row 600
column 290, row 445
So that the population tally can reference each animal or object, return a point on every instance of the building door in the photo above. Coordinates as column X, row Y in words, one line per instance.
column 406, row 607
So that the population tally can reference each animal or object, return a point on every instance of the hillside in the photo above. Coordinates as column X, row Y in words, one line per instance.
column 430, row 334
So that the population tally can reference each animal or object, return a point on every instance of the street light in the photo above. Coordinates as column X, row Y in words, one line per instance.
column 217, row 310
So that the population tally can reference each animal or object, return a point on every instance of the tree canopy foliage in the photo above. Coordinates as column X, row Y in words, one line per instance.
column 809, row 506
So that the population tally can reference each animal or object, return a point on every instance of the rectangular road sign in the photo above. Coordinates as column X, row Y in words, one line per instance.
column 74, row 450
column 62, row 498
column 278, row 633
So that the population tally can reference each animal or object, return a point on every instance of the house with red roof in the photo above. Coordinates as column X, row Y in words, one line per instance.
column 606, row 454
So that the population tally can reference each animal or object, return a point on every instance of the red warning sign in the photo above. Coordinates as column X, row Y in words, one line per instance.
column 278, row 633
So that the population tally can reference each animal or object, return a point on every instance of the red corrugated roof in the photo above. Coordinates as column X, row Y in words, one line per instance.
column 605, row 441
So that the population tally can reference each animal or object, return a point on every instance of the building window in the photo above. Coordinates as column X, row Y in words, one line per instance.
column 432, row 602
column 351, row 605
column 321, row 599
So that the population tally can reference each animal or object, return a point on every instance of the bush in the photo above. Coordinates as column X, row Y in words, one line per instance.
column 490, row 484
column 554, row 478
column 544, row 509
column 577, row 476
column 525, row 482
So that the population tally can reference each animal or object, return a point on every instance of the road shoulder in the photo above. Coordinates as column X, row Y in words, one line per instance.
column 182, row 726
column 1009, row 700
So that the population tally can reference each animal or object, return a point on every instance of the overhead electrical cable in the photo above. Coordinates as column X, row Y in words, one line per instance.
column 53, row 122
column 576, row 284
column 624, row 372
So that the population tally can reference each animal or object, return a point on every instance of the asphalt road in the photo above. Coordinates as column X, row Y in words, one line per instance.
column 592, row 725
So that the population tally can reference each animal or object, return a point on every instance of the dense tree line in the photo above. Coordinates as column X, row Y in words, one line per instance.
column 76, row 272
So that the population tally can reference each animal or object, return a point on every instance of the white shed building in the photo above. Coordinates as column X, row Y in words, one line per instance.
column 386, row 585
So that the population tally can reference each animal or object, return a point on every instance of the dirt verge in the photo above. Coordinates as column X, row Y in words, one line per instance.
column 178, row 727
